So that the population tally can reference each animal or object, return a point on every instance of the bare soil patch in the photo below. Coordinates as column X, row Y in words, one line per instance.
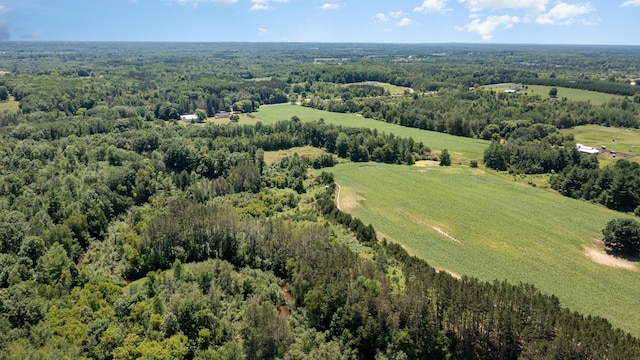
column 448, row 236
column 284, row 310
column 454, row 274
column 601, row 257
column 616, row 154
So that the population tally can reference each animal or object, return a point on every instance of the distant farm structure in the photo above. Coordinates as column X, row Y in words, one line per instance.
column 587, row 149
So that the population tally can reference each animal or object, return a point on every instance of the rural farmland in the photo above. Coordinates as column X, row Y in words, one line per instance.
column 496, row 229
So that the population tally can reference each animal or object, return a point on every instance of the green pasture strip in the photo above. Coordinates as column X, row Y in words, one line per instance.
column 461, row 148
column 616, row 139
column 392, row 89
column 503, row 230
column 594, row 97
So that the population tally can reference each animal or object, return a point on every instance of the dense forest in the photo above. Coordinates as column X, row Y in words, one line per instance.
column 126, row 233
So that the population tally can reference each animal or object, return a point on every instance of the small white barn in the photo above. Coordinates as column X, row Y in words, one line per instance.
column 189, row 118
column 587, row 149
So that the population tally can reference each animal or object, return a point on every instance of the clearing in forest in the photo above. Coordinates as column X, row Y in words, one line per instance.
column 593, row 97
column 504, row 230
column 308, row 152
column 621, row 140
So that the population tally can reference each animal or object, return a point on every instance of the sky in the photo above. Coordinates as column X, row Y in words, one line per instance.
column 602, row 22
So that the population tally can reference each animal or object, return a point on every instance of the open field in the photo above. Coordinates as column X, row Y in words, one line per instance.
column 616, row 139
column 461, row 148
column 392, row 89
column 308, row 152
column 470, row 222
column 11, row 105
column 594, row 97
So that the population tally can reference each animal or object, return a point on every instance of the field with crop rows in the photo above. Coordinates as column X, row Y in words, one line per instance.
column 470, row 222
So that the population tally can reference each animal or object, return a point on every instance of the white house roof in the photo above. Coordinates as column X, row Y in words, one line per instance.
column 587, row 149
column 189, row 117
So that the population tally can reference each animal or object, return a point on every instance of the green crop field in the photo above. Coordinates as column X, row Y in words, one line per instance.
column 594, row 97
column 461, row 148
column 470, row 222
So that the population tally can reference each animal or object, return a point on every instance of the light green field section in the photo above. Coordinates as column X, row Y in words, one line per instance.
column 616, row 139
column 461, row 148
column 594, row 97
column 308, row 152
column 390, row 88
column 10, row 105
column 469, row 222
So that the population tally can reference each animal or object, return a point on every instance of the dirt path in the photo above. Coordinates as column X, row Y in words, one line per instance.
column 448, row 236
column 338, row 197
column 284, row 310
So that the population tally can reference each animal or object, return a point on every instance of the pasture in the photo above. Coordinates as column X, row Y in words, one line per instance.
column 470, row 222
column 615, row 139
column 390, row 88
column 461, row 148
column 594, row 97
column 10, row 105
column 308, row 152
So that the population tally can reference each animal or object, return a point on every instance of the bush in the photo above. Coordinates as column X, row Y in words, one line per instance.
column 622, row 235
column 473, row 163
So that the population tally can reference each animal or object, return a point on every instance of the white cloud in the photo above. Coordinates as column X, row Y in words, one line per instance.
column 260, row 4
column 536, row 6
column 404, row 22
column 262, row 31
column 486, row 28
column 330, row 6
column 431, row 6
column 565, row 14
column 630, row 3
column 198, row 2
column 381, row 17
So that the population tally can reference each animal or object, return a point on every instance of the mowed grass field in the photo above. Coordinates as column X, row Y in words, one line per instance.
column 470, row 222
column 594, row 97
column 616, row 139
column 461, row 148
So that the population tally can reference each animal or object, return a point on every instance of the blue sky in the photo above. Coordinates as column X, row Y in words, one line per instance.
column 388, row 21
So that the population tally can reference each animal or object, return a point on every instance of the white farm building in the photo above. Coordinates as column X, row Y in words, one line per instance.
column 587, row 149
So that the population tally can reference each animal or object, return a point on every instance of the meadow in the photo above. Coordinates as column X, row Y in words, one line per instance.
column 461, row 148
column 308, row 152
column 594, row 97
column 470, row 222
column 390, row 88
column 615, row 139
column 10, row 105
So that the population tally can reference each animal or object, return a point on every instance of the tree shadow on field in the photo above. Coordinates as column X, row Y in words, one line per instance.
column 631, row 256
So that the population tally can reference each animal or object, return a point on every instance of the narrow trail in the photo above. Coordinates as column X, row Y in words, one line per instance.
column 338, row 197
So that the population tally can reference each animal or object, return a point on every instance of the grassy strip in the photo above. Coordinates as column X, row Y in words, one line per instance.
column 460, row 147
